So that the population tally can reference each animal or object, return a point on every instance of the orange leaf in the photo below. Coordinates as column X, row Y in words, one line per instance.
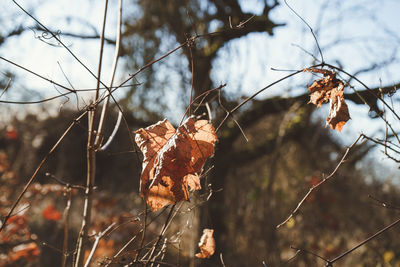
column 330, row 89
column 50, row 213
column 206, row 244
column 172, row 159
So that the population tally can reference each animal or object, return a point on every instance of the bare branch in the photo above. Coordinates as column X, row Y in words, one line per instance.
column 321, row 182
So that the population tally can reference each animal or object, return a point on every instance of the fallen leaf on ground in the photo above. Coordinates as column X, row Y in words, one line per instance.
column 173, row 159
column 206, row 244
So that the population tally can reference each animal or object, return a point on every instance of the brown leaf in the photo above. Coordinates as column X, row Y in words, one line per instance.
column 320, row 91
column 206, row 244
column 338, row 112
column 172, row 159
column 331, row 89
column 192, row 181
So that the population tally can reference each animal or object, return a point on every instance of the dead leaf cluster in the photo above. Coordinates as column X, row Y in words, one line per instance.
column 331, row 89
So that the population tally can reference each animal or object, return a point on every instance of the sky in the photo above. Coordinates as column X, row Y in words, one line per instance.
column 362, row 42
column 353, row 34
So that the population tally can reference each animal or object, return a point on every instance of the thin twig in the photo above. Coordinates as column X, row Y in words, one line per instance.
column 365, row 241
column 203, row 96
column 386, row 147
column 15, row 102
column 102, row 119
column 90, row 178
column 114, row 132
column 161, row 252
column 90, row 158
column 143, row 262
column 6, row 87
column 96, row 242
column 58, row 40
column 255, row 94
column 68, row 185
column 305, row 51
column 241, row 24
column 70, row 84
column 383, row 143
column 90, row 72
column 165, row 226
column 143, row 232
column 232, row 116
column 192, row 79
column 123, row 248
column 291, row 258
column 38, row 75
column 66, row 227
column 209, row 112
column 311, row 29
column 367, row 88
column 321, row 182
column 33, row 177
column 222, row 260
column 309, row 252
column 384, row 204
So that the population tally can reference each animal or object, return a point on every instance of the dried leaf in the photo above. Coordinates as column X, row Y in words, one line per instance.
column 338, row 112
column 193, row 182
column 206, row 244
column 331, row 89
column 172, row 159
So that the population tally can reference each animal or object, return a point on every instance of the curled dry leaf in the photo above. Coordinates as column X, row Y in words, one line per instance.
column 206, row 244
column 173, row 159
column 338, row 112
column 331, row 89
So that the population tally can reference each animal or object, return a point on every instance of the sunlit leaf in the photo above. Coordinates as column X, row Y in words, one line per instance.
column 330, row 89
column 173, row 159
column 206, row 244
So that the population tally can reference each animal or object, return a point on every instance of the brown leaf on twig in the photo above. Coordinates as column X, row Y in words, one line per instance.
column 331, row 89
column 206, row 244
column 338, row 112
column 172, row 159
